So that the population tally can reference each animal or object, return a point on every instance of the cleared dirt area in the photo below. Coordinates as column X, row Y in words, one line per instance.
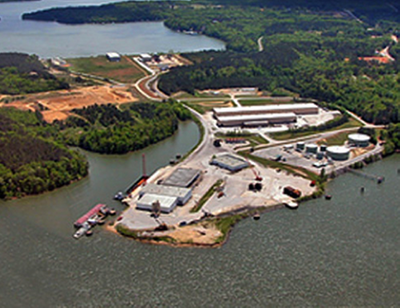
column 57, row 105
column 200, row 234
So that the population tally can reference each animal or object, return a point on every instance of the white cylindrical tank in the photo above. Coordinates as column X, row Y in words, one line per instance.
column 338, row 152
column 359, row 140
column 311, row 148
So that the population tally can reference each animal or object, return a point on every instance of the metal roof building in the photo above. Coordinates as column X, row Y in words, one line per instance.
column 229, row 162
column 167, row 203
column 182, row 177
column 300, row 108
column 256, row 119
column 183, row 194
column 113, row 56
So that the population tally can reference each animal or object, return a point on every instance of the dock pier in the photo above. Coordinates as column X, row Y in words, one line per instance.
column 376, row 178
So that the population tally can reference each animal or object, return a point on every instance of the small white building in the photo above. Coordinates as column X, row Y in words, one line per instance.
column 145, row 57
column 181, row 193
column 113, row 57
column 167, row 203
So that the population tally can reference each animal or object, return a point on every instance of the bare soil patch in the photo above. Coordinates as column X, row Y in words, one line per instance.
column 57, row 105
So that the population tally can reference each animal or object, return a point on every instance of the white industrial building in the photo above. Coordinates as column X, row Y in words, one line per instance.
column 113, row 57
column 181, row 193
column 167, row 203
column 359, row 140
column 256, row 119
column 145, row 57
column 298, row 109
column 229, row 162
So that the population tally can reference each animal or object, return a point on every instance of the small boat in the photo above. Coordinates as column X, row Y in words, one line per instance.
column 362, row 189
column 256, row 216
column 101, row 221
column 119, row 196
column 82, row 230
column 328, row 197
column 292, row 205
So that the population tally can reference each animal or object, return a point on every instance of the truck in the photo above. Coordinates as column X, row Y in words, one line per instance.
column 292, row 192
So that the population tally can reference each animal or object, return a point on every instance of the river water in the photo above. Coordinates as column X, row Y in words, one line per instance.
column 50, row 39
column 342, row 252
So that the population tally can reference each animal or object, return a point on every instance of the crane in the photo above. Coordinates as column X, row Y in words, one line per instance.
column 256, row 174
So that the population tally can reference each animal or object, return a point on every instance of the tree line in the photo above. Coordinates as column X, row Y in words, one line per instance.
column 30, row 162
column 21, row 73
column 107, row 129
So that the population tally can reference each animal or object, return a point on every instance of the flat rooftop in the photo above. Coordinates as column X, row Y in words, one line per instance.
column 165, row 201
column 180, row 192
column 266, row 108
column 182, row 177
column 231, row 161
column 256, row 117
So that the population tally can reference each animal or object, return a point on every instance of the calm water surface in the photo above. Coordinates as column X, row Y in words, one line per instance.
column 327, row 253
column 50, row 39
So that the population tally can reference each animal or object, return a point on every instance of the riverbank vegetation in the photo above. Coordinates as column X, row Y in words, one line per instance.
column 107, row 129
column 31, row 160
column 34, row 157
column 21, row 73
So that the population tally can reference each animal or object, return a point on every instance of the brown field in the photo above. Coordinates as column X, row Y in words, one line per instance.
column 57, row 105
column 126, row 71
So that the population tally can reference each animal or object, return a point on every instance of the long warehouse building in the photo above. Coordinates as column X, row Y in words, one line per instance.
column 298, row 109
column 256, row 119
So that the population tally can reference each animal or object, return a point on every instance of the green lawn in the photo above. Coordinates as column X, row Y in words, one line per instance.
column 337, row 139
column 251, row 102
column 293, row 134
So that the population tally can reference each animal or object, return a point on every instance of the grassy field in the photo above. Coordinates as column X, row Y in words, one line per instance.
column 125, row 71
column 183, row 95
column 253, row 102
column 352, row 123
column 337, row 139
column 204, row 106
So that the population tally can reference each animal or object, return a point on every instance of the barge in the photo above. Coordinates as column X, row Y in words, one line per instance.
column 96, row 215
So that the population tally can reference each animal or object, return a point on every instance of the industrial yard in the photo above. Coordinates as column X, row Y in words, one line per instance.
column 184, row 204
column 195, row 200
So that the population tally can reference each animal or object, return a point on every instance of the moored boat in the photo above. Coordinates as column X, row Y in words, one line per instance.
column 292, row 205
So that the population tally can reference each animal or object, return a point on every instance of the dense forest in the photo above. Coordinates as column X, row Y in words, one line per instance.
column 106, row 129
column 34, row 157
column 21, row 73
column 31, row 161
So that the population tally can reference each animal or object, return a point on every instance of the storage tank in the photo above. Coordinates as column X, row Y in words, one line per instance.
column 311, row 148
column 359, row 140
column 320, row 155
column 338, row 152
column 300, row 146
column 322, row 148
